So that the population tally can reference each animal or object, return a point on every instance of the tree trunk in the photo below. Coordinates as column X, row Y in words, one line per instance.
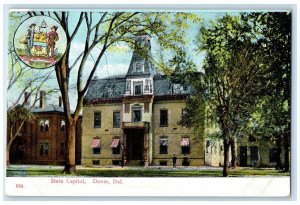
column 226, row 158
column 233, row 152
column 8, row 146
column 7, row 157
column 70, row 163
column 278, row 158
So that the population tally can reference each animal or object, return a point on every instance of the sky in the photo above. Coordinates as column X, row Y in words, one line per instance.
column 115, row 62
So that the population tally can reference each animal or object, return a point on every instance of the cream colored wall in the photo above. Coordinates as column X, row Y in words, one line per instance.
column 263, row 152
column 175, row 132
column 106, row 133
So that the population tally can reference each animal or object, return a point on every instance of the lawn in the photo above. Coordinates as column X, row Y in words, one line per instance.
column 118, row 172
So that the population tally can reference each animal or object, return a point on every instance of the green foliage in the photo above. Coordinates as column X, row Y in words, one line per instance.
column 20, row 114
column 234, row 72
column 275, row 118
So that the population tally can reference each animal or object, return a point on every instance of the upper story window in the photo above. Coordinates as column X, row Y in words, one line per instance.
column 116, row 119
column 147, row 86
column 163, row 118
column 176, row 88
column 62, row 125
column 139, row 67
column 137, row 113
column 44, row 125
column 138, row 88
column 97, row 119
column 128, row 86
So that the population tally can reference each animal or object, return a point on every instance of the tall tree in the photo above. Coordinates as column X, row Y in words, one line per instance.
column 273, row 119
column 100, row 31
column 234, row 75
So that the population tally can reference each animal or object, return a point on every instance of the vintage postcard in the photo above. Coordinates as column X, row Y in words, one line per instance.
column 148, row 102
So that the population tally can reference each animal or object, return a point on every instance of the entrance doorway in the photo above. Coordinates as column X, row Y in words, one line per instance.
column 135, row 145
column 243, row 156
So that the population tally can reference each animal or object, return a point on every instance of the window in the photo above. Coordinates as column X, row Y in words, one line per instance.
column 163, row 163
column 137, row 115
column 97, row 119
column 185, row 145
column 128, row 86
column 96, row 150
column 116, row 147
column 274, row 155
column 176, row 88
column 116, row 162
column 62, row 125
column 147, row 86
column 138, row 89
column 96, row 146
column 116, row 119
column 44, row 125
column 207, row 145
column 163, row 145
column 44, row 149
column 164, row 118
column 96, row 162
column 139, row 67
column 254, row 153
column 62, row 148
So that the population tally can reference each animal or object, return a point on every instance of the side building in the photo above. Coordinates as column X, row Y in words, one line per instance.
column 135, row 118
column 42, row 140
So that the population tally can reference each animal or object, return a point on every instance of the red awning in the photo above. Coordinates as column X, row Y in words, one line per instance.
column 96, row 143
column 185, row 142
column 115, row 143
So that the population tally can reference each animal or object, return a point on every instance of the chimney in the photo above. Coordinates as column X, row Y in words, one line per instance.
column 26, row 98
column 59, row 101
column 42, row 99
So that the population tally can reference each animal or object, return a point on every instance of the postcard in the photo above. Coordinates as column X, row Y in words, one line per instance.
column 175, row 103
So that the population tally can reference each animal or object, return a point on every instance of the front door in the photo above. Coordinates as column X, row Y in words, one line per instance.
column 135, row 145
column 243, row 156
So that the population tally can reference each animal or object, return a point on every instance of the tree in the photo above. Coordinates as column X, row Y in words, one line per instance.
column 273, row 119
column 19, row 113
column 100, row 32
column 234, row 75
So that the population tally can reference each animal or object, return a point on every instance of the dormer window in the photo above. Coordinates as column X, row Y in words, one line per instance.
column 139, row 67
column 128, row 86
column 138, row 88
column 147, row 86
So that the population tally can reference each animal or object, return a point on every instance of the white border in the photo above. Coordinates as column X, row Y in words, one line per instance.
column 167, row 4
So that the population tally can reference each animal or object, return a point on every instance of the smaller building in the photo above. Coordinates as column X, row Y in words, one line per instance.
column 255, row 152
column 42, row 140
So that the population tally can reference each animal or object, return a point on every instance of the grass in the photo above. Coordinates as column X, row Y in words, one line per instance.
column 113, row 172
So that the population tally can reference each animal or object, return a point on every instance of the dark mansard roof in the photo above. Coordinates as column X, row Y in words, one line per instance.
column 114, row 88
